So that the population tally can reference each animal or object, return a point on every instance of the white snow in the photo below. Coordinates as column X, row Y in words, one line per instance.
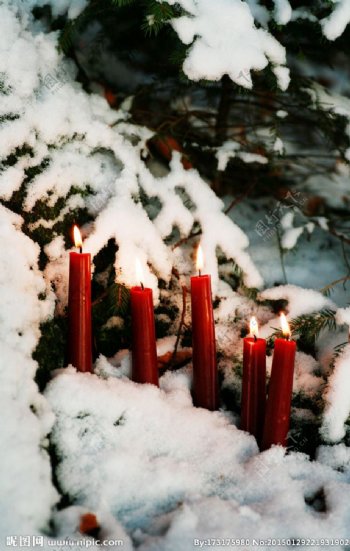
column 26, row 419
column 51, row 115
column 278, row 146
column 305, row 379
column 290, row 234
column 337, row 398
column 300, row 301
column 290, row 237
column 334, row 25
column 337, row 456
column 170, row 473
column 343, row 316
column 156, row 471
column 282, row 12
column 72, row 8
column 231, row 149
column 223, row 39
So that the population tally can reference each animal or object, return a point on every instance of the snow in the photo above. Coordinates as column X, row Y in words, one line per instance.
column 283, row 11
column 223, row 39
column 337, row 398
column 260, row 13
column 72, row 8
column 73, row 133
column 278, row 146
column 343, row 316
column 337, row 456
column 53, row 116
column 26, row 419
column 231, row 149
column 290, row 234
column 334, row 25
column 191, row 473
column 305, row 379
column 300, row 301
column 156, row 471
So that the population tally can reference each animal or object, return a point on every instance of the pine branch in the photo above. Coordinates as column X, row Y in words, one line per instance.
column 90, row 13
column 309, row 326
column 328, row 288
column 122, row 3
column 158, row 14
column 114, row 301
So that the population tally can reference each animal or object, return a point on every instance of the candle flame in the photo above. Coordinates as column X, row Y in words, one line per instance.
column 139, row 271
column 254, row 328
column 78, row 242
column 199, row 259
column 285, row 326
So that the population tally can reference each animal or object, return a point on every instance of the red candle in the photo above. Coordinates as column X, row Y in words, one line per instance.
column 143, row 346
column 79, row 308
column 253, row 383
column 277, row 416
column 205, row 376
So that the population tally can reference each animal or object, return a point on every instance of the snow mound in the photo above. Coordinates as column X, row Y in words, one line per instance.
column 171, row 473
column 26, row 419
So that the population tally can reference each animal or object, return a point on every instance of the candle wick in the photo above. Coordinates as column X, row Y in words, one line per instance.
column 199, row 273
column 142, row 286
column 81, row 249
column 255, row 338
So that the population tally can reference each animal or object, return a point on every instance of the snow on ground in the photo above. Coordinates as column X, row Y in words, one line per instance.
column 171, row 473
column 26, row 419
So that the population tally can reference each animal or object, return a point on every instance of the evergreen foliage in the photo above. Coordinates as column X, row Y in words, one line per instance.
column 139, row 35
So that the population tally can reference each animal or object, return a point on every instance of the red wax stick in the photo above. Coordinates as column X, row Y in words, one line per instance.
column 253, row 386
column 79, row 312
column 277, row 416
column 144, row 349
column 205, row 377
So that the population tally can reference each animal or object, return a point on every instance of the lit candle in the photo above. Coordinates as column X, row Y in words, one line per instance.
column 277, row 416
column 205, row 377
column 253, row 382
column 79, row 307
column 143, row 346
